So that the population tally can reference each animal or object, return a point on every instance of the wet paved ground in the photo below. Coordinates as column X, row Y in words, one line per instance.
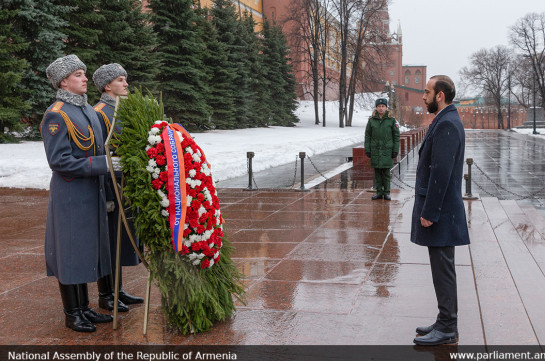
column 327, row 266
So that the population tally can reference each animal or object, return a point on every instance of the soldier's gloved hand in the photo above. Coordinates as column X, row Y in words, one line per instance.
column 110, row 206
column 116, row 164
column 394, row 154
column 368, row 154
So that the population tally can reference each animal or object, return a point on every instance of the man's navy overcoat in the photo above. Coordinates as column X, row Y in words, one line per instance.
column 438, row 186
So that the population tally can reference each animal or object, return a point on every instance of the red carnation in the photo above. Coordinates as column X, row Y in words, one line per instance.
column 161, row 160
column 163, row 176
column 187, row 157
column 192, row 193
column 200, row 229
column 160, row 148
column 187, row 232
column 193, row 223
column 200, row 197
column 218, row 259
column 152, row 152
column 185, row 250
column 205, row 263
column 157, row 184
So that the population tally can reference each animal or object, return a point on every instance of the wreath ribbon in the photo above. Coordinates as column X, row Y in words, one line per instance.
column 176, row 183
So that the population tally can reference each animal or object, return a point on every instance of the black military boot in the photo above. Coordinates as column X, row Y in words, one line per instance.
column 125, row 297
column 106, row 295
column 91, row 315
column 74, row 318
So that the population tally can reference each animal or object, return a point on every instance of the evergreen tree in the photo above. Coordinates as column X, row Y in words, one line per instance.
column 38, row 22
column 248, row 69
column 220, row 79
column 275, row 55
column 128, row 39
column 83, row 31
column 224, row 20
column 11, row 72
column 182, row 79
column 258, row 84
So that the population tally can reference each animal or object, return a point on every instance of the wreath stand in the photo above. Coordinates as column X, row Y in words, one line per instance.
column 122, row 219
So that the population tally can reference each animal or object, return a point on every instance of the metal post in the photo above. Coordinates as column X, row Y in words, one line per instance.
column 509, row 103
column 467, row 177
column 535, row 131
column 302, row 155
column 250, row 155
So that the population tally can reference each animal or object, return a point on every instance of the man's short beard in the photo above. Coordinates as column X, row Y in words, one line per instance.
column 433, row 106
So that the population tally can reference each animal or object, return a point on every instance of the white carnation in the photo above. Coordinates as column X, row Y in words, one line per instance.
column 159, row 121
column 196, row 157
column 164, row 212
column 197, row 262
column 201, row 211
column 189, row 200
column 150, row 169
column 155, row 175
column 192, row 173
column 189, row 150
column 148, row 147
column 154, row 131
column 211, row 263
column 164, row 203
column 152, row 163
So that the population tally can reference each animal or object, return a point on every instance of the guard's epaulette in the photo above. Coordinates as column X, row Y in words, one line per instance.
column 99, row 107
column 57, row 107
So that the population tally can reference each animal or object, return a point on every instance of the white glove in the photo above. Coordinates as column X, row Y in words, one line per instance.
column 116, row 164
column 110, row 206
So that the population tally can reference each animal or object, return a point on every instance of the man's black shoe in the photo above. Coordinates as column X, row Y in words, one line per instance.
column 424, row 330
column 387, row 197
column 129, row 299
column 435, row 337
column 376, row 196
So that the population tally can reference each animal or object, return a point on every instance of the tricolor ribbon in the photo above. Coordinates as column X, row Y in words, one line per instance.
column 176, row 185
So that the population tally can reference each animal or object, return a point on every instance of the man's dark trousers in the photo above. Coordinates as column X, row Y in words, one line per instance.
column 444, row 281
column 382, row 181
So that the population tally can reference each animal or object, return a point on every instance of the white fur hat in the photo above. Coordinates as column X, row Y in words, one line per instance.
column 106, row 73
column 62, row 67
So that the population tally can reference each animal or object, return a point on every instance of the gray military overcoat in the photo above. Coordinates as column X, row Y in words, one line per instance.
column 129, row 257
column 76, row 238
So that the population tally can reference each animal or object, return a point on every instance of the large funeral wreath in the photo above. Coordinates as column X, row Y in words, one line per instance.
column 198, row 284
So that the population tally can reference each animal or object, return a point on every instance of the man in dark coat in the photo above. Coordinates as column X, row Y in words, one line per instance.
column 76, row 238
column 382, row 146
column 439, row 219
column 111, row 82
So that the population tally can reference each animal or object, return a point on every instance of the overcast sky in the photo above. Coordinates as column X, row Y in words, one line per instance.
column 443, row 34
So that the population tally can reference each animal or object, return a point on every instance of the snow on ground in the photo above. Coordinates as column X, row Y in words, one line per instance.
column 24, row 165
column 541, row 132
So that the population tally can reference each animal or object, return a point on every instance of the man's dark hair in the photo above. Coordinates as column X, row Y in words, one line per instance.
column 444, row 84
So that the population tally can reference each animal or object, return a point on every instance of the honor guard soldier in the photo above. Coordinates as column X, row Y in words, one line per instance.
column 76, row 237
column 111, row 81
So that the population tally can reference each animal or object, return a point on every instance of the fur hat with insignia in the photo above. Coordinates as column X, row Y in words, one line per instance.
column 62, row 67
column 106, row 73
column 381, row 101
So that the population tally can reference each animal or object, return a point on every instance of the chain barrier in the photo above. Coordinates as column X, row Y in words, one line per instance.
column 311, row 162
column 294, row 173
column 519, row 197
column 251, row 173
column 402, row 184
